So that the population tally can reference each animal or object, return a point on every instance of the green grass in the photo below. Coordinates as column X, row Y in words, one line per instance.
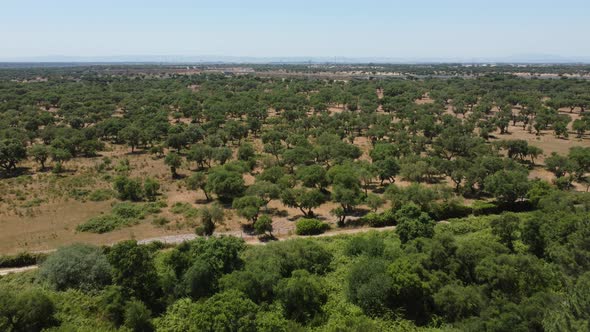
column 122, row 215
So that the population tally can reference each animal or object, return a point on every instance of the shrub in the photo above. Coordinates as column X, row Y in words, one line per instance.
column 372, row 246
column 150, row 188
column 123, row 214
column 28, row 310
column 128, row 210
column 137, row 317
column 100, row 195
column 77, row 266
column 104, row 223
column 480, row 208
column 374, row 219
column 154, row 207
column 307, row 226
column 180, row 207
column 449, row 209
column 160, row 221
column 413, row 223
column 263, row 225
column 128, row 189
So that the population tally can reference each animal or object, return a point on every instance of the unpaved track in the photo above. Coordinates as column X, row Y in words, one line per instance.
column 253, row 240
column 175, row 239
column 4, row 272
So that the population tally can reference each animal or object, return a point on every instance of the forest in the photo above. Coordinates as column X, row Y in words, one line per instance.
column 426, row 202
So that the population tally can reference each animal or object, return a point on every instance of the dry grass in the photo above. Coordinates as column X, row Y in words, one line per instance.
column 39, row 212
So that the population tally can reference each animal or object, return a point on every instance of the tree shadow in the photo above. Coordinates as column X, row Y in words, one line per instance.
column 19, row 171
column 140, row 152
column 265, row 238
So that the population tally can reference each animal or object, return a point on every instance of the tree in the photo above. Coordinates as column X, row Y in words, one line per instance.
column 201, row 154
column 313, row 176
column 387, row 169
column 198, row 181
column 11, row 152
column 412, row 223
column 150, row 188
column 60, row 156
column 77, row 266
column 210, row 217
column 225, row 184
column 265, row 190
column 366, row 173
column 506, row 227
column 248, row 207
column 301, row 295
column 346, row 186
column 113, row 304
column 40, row 153
column 457, row 302
column 374, row 202
column 303, row 199
column 200, row 280
column 222, row 154
column 508, row 186
column 134, row 271
column 580, row 158
column 246, row 152
column 25, row 310
column 137, row 317
column 369, row 286
column 132, row 136
column 173, row 160
column 558, row 164
column 580, row 126
column 263, row 225
column 230, row 310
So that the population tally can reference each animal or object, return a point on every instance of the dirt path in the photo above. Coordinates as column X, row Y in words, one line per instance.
column 4, row 272
column 252, row 240
column 175, row 239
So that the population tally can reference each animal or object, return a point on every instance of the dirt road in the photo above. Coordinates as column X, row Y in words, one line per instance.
column 253, row 240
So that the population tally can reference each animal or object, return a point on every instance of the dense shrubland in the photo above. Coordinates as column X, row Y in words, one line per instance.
column 512, row 271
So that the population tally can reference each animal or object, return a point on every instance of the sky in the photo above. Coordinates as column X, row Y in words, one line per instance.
column 276, row 28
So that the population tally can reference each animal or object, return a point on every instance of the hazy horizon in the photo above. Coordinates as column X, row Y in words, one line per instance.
column 424, row 30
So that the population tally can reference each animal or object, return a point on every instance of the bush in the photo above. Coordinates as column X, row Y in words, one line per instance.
column 374, row 219
column 137, row 317
column 448, row 210
column 160, row 221
column 372, row 246
column 150, row 188
column 307, row 226
column 128, row 210
column 480, row 208
column 154, row 207
column 128, row 189
column 77, row 266
column 28, row 310
column 122, row 215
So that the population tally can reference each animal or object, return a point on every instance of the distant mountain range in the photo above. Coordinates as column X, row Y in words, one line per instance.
column 525, row 58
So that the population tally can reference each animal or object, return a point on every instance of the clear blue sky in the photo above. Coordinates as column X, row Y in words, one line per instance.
column 375, row 28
